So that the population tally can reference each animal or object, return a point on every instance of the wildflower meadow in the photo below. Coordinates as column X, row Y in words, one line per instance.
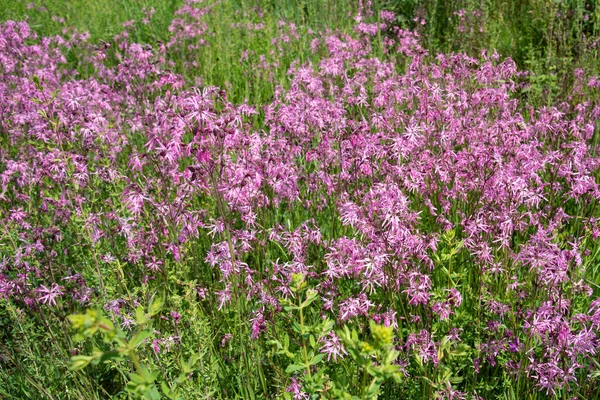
column 299, row 200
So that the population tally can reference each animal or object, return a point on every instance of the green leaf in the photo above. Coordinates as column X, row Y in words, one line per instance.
column 373, row 390
column 391, row 356
column 137, row 379
column 286, row 341
column 327, row 326
column 312, row 341
column 155, row 306
column 317, row 359
column 181, row 378
column 250, row 391
column 109, row 355
column 133, row 387
column 139, row 338
column 389, row 370
column 460, row 351
column 140, row 316
column 449, row 235
column 293, row 368
column 148, row 375
column 189, row 364
column 297, row 327
column 311, row 295
column 80, row 362
column 166, row 390
column 152, row 393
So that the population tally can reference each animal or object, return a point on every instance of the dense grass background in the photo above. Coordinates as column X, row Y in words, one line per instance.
column 217, row 63
column 550, row 39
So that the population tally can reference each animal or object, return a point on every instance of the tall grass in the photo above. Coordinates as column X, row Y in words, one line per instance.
column 549, row 39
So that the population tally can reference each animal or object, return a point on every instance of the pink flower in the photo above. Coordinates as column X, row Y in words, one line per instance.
column 49, row 295
column 332, row 347
column 226, row 338
column 296, row 390
column 258, row 324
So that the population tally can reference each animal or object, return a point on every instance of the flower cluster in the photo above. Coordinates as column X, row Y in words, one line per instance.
column 412, row 189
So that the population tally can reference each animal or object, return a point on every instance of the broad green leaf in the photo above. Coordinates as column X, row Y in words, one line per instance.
column 312, row 341
column 136, row 379
column 152, row 393
column 109, row 355
column 140, row 316
column 80, row 362
column 165, row 388
column 293, row 368
column 317, row 359
column 148, row 375
column 139, row 338
column 156, row 305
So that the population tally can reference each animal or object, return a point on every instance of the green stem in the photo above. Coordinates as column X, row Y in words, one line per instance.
column 136, row 362
column 304, row 351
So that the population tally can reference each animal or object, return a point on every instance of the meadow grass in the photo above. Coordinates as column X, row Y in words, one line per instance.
column 549, row 39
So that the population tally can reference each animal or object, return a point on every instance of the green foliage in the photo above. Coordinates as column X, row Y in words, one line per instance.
column 549, row 38
column 375, row 358
column 302, row 351
column 142, row 382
